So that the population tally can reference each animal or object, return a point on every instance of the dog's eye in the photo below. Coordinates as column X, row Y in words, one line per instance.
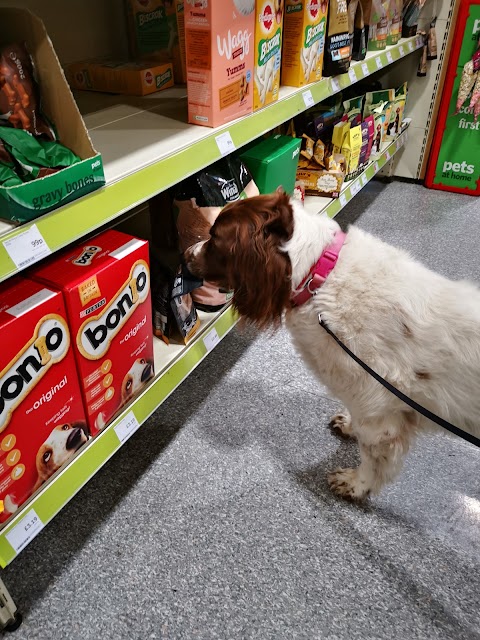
column 46, row 456
column 65, row 427
column 129, row 384
column 142, row 361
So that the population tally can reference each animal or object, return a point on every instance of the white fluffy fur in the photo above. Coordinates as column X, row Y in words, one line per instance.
column 414, row 327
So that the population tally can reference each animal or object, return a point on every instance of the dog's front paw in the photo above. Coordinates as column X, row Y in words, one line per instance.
column 341, row 424
column 347, row 484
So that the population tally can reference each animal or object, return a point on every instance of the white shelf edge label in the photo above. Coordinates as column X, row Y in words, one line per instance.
column 25, row 531
column 376, row 167
column 343, row 200
column 335, row 84
column 355, row 188
column 211, row 340
column 352, row 75
column 389, row 56
column 365, row 70
column 378, row 62
column 27, row 247
column 126, row 427
column 387, row 155
column 410, row 46
column 225, row 143
column 364, row 179
column 308, row 98
column 402, row 50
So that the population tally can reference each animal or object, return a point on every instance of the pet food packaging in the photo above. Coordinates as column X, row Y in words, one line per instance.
column 180, row 13
column 432, row 40
column 31, row 199
column 106, row 286
column 198, row 202
column 273, row 163
column 120, row 76
column 337, row 46
column 378, row 25
column 268, row 51
column 173, row 310
column 323, row 181
column 153, row 33
column 368, row 129
column 394, row 31
column 220, row 60
column 422, row 65
column 353, row 110
column 19, row 93
column 410, row 15
column 304, row 30
column 42, row 419
column 359, row 34
column 340, row 130
column 351, row 148
column 396, row 114
column 379, row 104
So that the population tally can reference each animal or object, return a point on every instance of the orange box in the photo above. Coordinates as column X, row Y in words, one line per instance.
column 106, row 286
column 42, row 420
column 220, row 60
column 126, row 78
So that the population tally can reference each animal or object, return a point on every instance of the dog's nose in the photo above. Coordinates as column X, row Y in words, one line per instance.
column 75, row 439
column 147, row 372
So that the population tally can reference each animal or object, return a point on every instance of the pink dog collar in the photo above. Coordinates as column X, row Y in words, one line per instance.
column 319, row 272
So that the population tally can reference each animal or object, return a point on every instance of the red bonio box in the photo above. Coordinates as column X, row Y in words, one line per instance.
column 106, row 285
column 42, row 419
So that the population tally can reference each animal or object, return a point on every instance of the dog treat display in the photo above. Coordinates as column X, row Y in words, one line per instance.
column 106, row 285
column 337, row 46
column 358, row 31
column 304, row 30
column 379, row 104
column 42, row 419
column 34, row 157
column 198, row 202
column 394, row 22
column 19, row 94
column 220, row 60
column 268, row 51
column 410, row 15
column 378, row 25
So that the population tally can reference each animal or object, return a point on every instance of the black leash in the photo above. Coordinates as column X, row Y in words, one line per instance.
column 411, row 403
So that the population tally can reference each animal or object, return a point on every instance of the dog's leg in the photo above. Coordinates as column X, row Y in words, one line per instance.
column 383, row 446
column 341, row 424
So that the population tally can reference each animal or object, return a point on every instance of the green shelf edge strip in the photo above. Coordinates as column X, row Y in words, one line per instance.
column 65, row 225
column 70, row 480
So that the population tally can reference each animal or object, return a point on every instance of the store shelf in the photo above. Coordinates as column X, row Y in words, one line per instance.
column 147, row 146
column 332, row 206
column 173, row 364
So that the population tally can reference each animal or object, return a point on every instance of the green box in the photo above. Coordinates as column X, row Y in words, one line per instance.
column 273, row 162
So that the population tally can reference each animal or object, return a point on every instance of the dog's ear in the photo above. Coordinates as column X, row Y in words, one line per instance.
column 280, row 216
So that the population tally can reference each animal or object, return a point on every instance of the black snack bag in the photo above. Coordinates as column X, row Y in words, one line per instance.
column 337, row 44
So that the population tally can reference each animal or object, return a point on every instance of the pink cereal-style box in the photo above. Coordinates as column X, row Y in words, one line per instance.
column 220, row 60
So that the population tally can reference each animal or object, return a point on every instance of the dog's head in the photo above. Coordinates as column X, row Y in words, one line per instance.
column 140, row 372
column 245, row 253
column 59, row 447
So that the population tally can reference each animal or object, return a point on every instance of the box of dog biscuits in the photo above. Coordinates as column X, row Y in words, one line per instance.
column 106, row 285
column 268, row 51
column 42, row 419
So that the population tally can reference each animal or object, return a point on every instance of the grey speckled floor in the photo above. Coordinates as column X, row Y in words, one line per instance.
column 215, row 521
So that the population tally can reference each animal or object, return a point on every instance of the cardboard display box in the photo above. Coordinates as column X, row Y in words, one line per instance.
column 106, row 285
column 42, row 420
column 26, row 202
column 116, row 76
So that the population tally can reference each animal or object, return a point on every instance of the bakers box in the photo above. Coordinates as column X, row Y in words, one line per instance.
column 42, row 420
column 106, row 285
column 27, row 201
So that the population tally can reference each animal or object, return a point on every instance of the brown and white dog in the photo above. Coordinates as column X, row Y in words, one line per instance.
column 137, row 377
column 415, row 328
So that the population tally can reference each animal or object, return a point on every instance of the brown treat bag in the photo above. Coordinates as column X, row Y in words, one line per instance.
column 19, row 94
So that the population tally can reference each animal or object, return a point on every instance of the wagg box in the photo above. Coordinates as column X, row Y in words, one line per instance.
column 42, row 420
column 106, row 284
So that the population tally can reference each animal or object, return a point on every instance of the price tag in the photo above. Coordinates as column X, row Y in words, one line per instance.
column 211, row 340
column 126, row 427
column 389, row 56
column 27, row 247
column 335, row 84
column 399, row 144
column 376, row 167
column 402, row 50
column 378, row 62
column 352, row 75
column 363, row 179
column 355, row 188
column 365, row 70
column 410, row 46
column 419, row 41
column 387, row 155
column 25, row 531
column 308, row 98
column 343, row 200
column 225, row 143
